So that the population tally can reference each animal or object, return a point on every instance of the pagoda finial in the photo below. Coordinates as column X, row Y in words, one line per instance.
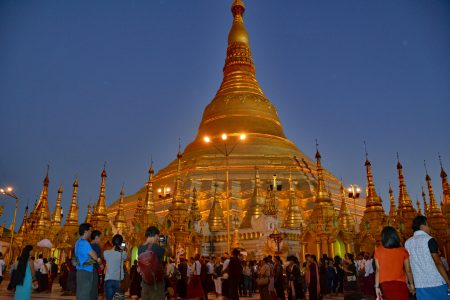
column 195, row 212
column 434, row 208
column 88, row 214
column 404, row 201
column 256, row 203
column 120, row 222
column 293, row 219
column 177, row 193
column 72, row 214
column 445, row 193
column 99, row 219
column 147, row 216
column 56, row 217
column 392, row 209
column 322, row 193
column 215, row 218
column 425, row 204
column 419, row 210
column 24, row 226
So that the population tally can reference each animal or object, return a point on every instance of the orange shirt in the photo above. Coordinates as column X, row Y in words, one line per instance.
column 391, row 263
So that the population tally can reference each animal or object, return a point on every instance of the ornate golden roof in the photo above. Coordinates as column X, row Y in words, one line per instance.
column 256, row 205
column 406, row 212
column 437, row 221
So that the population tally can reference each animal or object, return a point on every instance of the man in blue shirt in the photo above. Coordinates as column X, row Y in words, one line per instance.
column 86, row 257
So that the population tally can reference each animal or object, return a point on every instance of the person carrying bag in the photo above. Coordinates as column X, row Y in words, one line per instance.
column 114, row 273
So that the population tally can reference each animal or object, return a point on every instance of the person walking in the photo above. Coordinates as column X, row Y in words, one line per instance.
column 312, row 278
column 278, row 278
column 114, row 258
column 25, row 275
column 295, row 289
column 135, row 286
column 234, row 275
column 391, row 265
column 44, row 279
column 86, row 258
column 263, row 279
column 430, row 279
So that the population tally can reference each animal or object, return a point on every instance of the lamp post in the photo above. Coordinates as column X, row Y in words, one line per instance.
column 354, row 192
column 10, row 193
column 277, row 237
column 226, row 151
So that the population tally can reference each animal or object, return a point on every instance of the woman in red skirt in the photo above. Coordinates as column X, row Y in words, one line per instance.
column 392, row 262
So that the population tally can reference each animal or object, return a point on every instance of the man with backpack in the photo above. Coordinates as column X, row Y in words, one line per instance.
column 150, row 261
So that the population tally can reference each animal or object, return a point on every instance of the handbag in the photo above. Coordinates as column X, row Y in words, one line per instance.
column 262, row 281
column 119, row 294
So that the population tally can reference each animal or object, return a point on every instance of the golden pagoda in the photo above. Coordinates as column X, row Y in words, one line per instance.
column 374, row 218
column 392, row 218
column 425, row 204
column 147, row 217
column 99, row 218
column 41, row 222
column 88, row 214
column 215, row 218
column 240, row 107
column 445, row 193
column 71, row 225
column 406, row 212
column 438, row 224
column 293, row 218
column 321, row 231
column 120, row 224
column 57, row 213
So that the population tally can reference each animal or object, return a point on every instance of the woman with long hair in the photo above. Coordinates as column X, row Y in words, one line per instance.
column 392, row 263
column 25, row 276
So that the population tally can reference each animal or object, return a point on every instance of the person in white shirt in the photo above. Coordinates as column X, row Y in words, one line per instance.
column 44, row 270
column 114, row 266
column 37, row 267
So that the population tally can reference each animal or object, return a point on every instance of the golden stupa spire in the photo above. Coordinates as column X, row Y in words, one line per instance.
column 445, row 193
column 322, row 194
column 434, row 208
column 345, row 218
column 99, row 218
column 88, row 214
column 177, row 193
column 43, row 221
column 392, row 208
column 72, row 215
column 215, row 218
column 419, row 210
column 405, row 206
column 194, row 211
column 147, row 217
column 137, row 216
column 372, row 199
column 56, row 217
column 256, row 203
column 293, row 219
column 239, row 99
column 119, row 220
column 436, row 219
column 425, row 204
column 270, row 204
column 24, row 226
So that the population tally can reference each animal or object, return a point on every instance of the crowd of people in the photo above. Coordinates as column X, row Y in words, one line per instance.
column 392, row 272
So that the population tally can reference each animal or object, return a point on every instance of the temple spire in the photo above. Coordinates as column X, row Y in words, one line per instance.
column 72, row 215
column 56, row 217
column 405, row 206
column 434, row 208
column 42, row 215
column 445, row 193
column 293, row 219
column 99, row 218
column 392, row 208
column 177, row 193
column 322, row 193
column 147, row 217
column 216, row 219
column 88, row 214
column 256, row 203
column 425, row 204
column 419, row 210
column 194, row 211
column 119, row 221
column 23, row 227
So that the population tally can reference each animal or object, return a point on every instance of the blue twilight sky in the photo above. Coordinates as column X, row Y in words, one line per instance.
column 83, row 82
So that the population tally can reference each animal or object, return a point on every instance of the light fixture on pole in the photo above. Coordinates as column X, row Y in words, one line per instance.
column 8, row 191
column 226, row 151
column 354, row 192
